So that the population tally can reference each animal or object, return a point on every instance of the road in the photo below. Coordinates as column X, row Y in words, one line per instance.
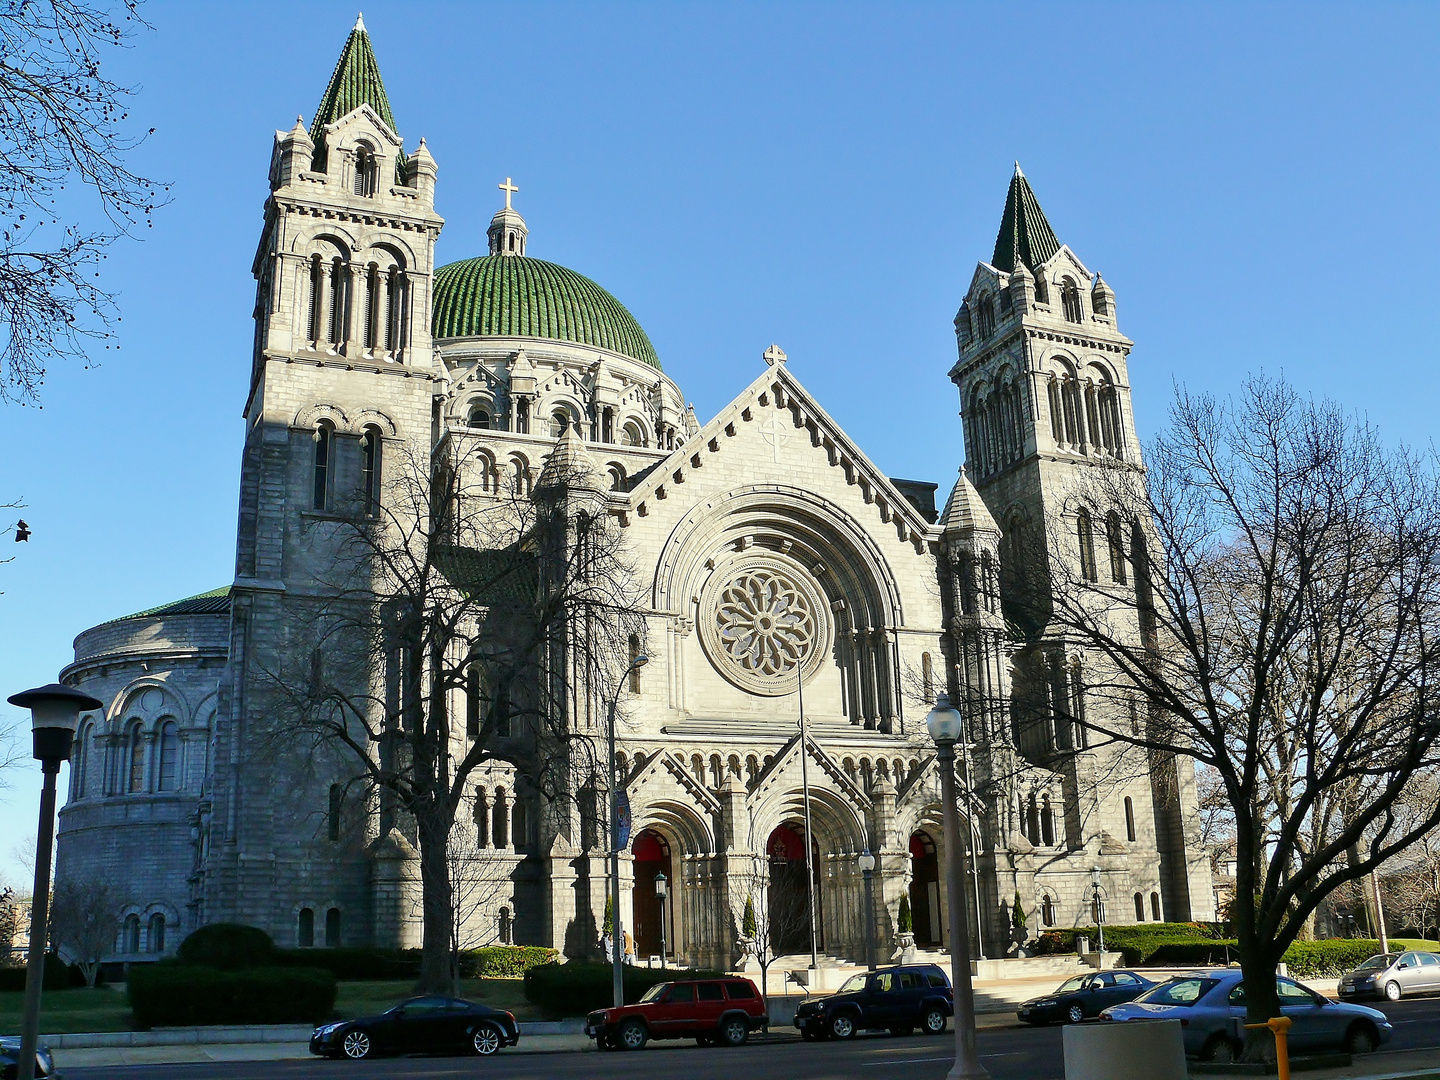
column 1008, row 1053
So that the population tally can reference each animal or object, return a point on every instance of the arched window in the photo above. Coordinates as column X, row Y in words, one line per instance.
column 1042, row 289
column 1057, row 411
column 1115, row 540
column 519, row 476
column 324, row 439
column 1047, row 911
column 1155, row 906
column 1034, row 816
column 481, row 817
column 1070, row 300
column 332, row 928
column 617, row 477
column 130, row 934
column 1085, row 534
column 155, row 933
column 137, row 759
column 634, row 671
column 395, row 289
column 315, row 319
column 364, row 172
column 339, row 279
column 478, row 417
column 985, row 313
column 560, row 420
column 1139, row 907
column 79, row 771
column 305, row 929
column 332, row 816
column 169, row 755
column 632, row 434
column 1047, row 822
column 504, row 927
column 1129, row 819
column 927, row 677
column 500, row 820
column 371, row 329
column 371, row 445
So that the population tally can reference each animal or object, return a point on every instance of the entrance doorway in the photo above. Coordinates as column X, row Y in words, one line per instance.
column 652, row 857
column 924, row 888
column 789, row 902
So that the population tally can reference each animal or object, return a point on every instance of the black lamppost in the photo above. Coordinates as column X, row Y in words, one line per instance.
column 617, row 932
column 943, row 723
column 660, row 893
column 1099, row 909
column 867, row 868
column 54, row 714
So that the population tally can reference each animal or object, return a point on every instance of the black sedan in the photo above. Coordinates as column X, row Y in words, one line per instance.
column 10, row 1059
column 421, row 1025
column 1083, row 996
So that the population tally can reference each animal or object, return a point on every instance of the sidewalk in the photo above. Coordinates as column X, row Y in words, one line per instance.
column 1385, row 1065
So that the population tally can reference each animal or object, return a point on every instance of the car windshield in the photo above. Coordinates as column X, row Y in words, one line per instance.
column 853, row 985
column 1379, row 963
column 1072, row 984
column 653, row 994
column 1182, row 991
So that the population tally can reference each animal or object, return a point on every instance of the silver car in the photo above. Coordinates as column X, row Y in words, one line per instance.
column 1393, row 975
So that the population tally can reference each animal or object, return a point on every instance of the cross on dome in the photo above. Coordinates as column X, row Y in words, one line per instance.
column 509, row 188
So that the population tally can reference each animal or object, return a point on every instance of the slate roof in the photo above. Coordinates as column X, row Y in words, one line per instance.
column 355, row 82
column 516, row 296
column 1023, row 228
column 214, row 602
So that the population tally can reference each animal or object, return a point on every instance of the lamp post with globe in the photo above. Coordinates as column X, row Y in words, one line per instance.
column 54, row 714
column 661, row 891
column 944, row 726
column 617, row 931
column 867, row 868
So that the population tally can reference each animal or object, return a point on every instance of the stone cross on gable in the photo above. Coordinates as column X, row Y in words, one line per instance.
column 774, row 433
column 774, row 355
column 509, row 189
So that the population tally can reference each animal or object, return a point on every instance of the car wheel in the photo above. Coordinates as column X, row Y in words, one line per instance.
column 1360, row 1039
column 933, row 1022
column 1075, row 1014
column 357, row 1044
column 734, row 1031
column 842, row 1026
column 1392, row 991
column 1219, row 1049
column 632, row 1035
column 902, row 1031
column 486, row 1040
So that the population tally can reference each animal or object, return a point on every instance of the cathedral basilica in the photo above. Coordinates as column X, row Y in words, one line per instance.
column 775, row 562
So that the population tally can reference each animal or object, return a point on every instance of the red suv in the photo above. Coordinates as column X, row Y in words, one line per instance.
column 710, row 1011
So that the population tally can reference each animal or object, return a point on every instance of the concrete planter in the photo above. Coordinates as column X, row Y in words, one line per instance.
column 1129, row 1050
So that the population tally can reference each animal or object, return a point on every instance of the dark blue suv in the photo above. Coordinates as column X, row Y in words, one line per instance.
column 896, row 999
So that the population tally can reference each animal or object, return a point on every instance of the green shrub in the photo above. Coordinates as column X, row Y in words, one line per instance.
column 354, row 963
column 747, row 924
column 905, row 920
column 579, row 987
column 1332, row 958
column 1304, row 959
column 171, row 994
column 1138, row 942
column 227, row 946
column 1018, row 912
column 504, row 961
column 58, row 976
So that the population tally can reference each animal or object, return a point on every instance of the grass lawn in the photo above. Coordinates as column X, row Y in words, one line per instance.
column 65, row 1011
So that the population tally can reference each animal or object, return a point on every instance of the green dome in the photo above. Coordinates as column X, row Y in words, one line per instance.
column 516, row 296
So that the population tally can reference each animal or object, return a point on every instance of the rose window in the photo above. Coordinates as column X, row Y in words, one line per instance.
column 765, row 627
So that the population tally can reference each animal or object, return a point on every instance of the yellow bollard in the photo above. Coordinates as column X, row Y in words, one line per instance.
column 1280, row 1025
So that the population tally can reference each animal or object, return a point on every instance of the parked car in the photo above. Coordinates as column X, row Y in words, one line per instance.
column 1208, row 1003
column 896, row 999
column 10, row 1060
column 711, row 1011
column 1392, row 976
column 1084, row 995
column 421, row 1025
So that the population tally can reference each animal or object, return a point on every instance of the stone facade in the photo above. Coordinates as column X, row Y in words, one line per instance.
column 775, row 558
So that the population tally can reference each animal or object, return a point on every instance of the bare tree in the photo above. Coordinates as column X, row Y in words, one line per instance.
column 85, row 922
column 1271, row 615
column 481, row 892
column 776, row 926
column 61, row 121
column 463, row 626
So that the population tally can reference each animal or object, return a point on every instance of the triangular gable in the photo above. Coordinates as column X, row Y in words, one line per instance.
column 789, row 755
column 365, row 112
column 1065, row 255
column 668, row 762
column 777, row 390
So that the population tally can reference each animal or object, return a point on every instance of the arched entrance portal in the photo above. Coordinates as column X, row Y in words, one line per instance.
column 652, row 857
column 924, row 888
column 788, row 901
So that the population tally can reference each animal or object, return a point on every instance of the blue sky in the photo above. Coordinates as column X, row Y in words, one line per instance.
column 1256, row 182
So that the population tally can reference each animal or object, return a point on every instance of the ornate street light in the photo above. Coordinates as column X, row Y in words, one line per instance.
column 54, row 714
column 1099, row 909
column 866, row 863
column 944, row 726
column 617, row 931
column 661, row 891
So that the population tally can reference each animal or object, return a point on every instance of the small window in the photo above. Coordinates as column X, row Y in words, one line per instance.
column 1047, row 911
column 709, row 992
column 130, row 934
column 1155, row 906
column 370, row 448
column 927, row 676
column 1070, row 300
column 1085, row 536
column 1129, row 819
column 740, row 991
column 155, row 935
column 1139, row 907
column 1115, row 538
column 137, row 760
column 324, row 439
column 169, row 755
column 332, row 928
column 505, row 927
column 478, row 418
column 305, row 929
column 634, row 671
column 680, row 993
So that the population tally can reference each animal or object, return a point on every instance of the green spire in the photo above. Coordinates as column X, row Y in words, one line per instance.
column 1023, row 229
column 356, row 82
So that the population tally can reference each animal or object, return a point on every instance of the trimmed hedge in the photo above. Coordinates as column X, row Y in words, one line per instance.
column 1159, row 948
column 1334, row 957
column 504, row 961
column 1139, row 943
column 170, row 994
column 58, row 976
column 227, row 946
column 579, row 987
column 354, row 963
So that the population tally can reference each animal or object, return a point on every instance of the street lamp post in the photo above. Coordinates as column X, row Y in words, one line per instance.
column 54, row 714
column 660, row 893
column 617, row 930
column 943, row 723
column 867, row 868
column 1099, row 910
